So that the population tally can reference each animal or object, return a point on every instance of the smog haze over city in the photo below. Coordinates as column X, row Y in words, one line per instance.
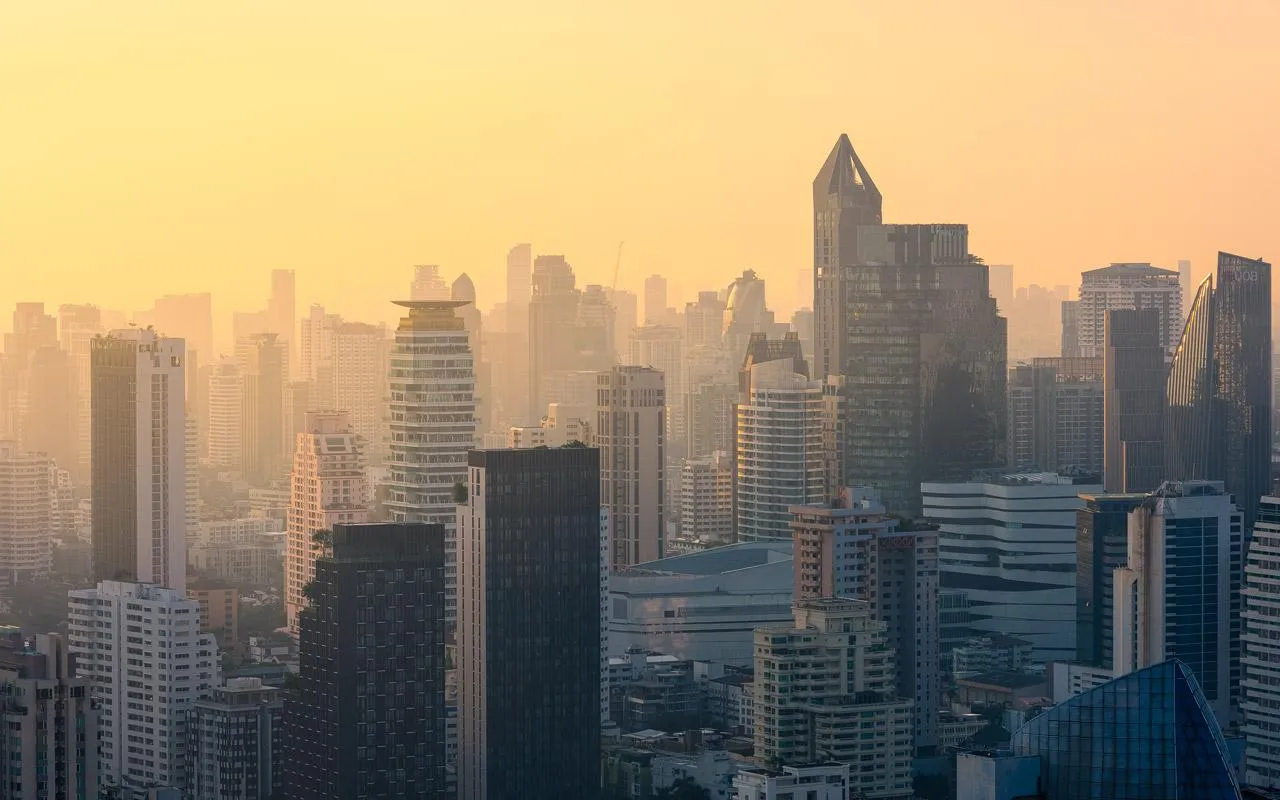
column 612, row 401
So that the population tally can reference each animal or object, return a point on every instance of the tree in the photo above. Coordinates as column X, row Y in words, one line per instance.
column 684, row 789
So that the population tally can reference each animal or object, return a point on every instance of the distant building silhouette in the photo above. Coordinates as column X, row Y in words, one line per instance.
column 1134, row 399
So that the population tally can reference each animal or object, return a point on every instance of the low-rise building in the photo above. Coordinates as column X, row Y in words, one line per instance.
column 990, row 653
column 812, row 782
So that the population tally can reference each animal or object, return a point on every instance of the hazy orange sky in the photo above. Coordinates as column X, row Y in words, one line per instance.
column 151, row 146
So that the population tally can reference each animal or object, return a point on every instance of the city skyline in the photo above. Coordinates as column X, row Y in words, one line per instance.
column 230, row 183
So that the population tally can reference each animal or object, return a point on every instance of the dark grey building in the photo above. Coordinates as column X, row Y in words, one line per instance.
column 530, row 567
column 1219, row 386
column 366, row 718
column 1101, row 545
column 1056, row 416
column 236, row 743
column 1134, row 391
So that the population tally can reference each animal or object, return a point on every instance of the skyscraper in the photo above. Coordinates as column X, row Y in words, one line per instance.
column 1102, row 545
column 1219, row 389
column 236, row 743
column 529, row 633
column 48, row 425
column 433, row 423
column 778, row 451
column 630, row 432
column 28, row 486
column 139, row 458
column 1178, row 596
column 655, row 300
column 32, row 330
column 140, row 648
column 553, row 316
column 367, row 718
column 1056, row 416
column 829, row 673
column 77, row 325
column 1184, row 285
column 225, row 415
column 1260, row 654
column 282, row 315
column 706, row 499
column 912, row 346
column 263, row 432
column 329, row 487
column 662, row 347
column 358, row 375
column 1120, row 286
column 519, row 280
column 850, row 547
column 1134, row 395
column 50, row 746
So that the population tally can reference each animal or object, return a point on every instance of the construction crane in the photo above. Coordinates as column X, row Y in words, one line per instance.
column 617, row 264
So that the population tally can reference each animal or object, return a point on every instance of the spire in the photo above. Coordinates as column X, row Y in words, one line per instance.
column 843, row 174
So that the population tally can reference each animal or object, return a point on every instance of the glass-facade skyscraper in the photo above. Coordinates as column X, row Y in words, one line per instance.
column 1219, row 387
column 1149, row 735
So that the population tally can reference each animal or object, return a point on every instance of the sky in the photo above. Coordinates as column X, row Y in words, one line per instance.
column 149, row 147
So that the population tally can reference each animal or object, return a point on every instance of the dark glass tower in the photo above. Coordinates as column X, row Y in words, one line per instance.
column 1134, row 400
column 1102, row 544
column 1219, row 386
column 367, row 717
column 530, row 553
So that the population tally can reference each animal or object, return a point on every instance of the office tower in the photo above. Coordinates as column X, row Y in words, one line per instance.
column 139, row 458
column 704, row 321
column 844, row 199
column 662, row 348
column 1260, row 650
column 282, row 315
column 709, row 417
column 553, row 315
column 830, row 672
column 77, row 325
column 463, row 290
column 1001, row 277
column 27, row 492
column 850, row 547
column 706, row 499
column 1219, row 390
column 1128, row 286
column 51, row 727
column 630, row 432
column 48, row 425
column 913, row 348
column 427, row 284
column 529, row 633
column 778, row 451
column 746, row 314
column 655, row 300
column 236, row 743
column 315, row 354
column 329, row 486
column 1134, row 395
column 433, row 422
column 140, row 648
column 1070, row 329
column 594, row 335
column 1102, row 545
column 519, row 270
column 1178, row 596
column 1009, row 543
column 183, row 316
column 263, row 429
column 225, row 415
column 32, row 330
column 1184, row 285
column 367, row 717
column 358, row 382
column 1145, row 735
column 1056, row 416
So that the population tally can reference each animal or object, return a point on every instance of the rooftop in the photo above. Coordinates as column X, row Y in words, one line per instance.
column 1129, row 270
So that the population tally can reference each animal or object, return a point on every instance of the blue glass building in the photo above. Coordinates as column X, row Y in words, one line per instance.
column 1149, row 735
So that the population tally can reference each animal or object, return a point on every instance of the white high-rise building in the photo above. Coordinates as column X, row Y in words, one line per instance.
column 820, row 680
column 433, row 423
column 28, row 491
column 852, row 548
column 141, row 649
column 706, row 499
column 1260, row 658
column 1179, row 594
column 779, row 456
column 329, row 485
column 225, row 415
column 1009, row 543
column 1128, row 286
column 139, row 458
column 631, row 434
